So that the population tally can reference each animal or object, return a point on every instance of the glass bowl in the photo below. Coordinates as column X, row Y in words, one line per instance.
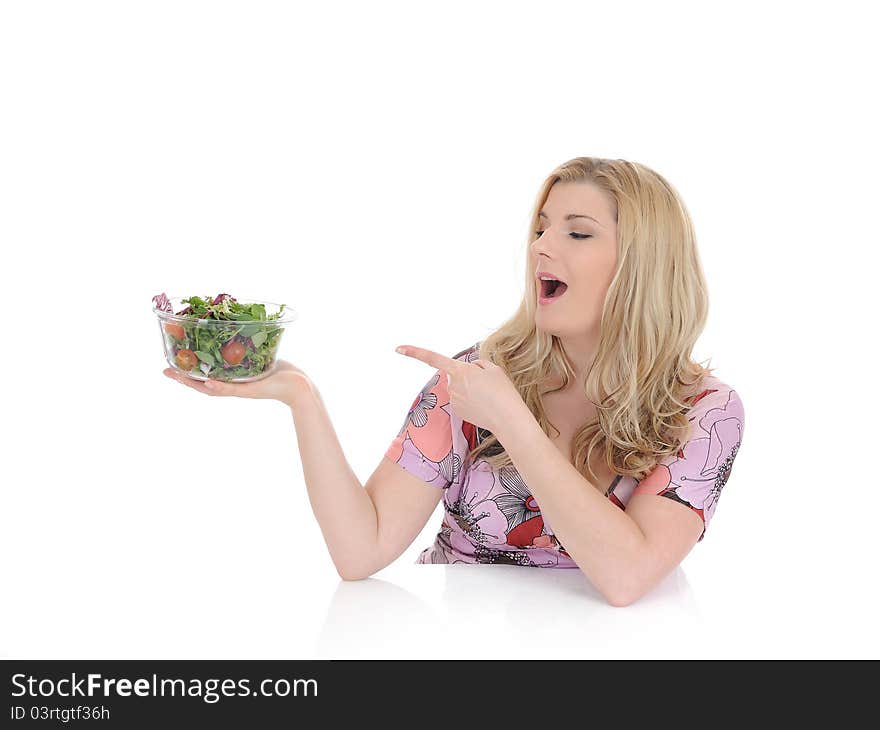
column 235, row 351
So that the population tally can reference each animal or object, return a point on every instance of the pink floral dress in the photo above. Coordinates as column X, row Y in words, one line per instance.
column 491, row 516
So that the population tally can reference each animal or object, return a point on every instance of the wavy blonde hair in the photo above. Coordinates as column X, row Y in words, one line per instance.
column 653, row 313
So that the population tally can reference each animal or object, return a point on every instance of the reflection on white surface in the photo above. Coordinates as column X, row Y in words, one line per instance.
column 372, row 619
column 501, row 611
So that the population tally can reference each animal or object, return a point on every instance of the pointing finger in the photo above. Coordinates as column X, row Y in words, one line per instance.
column 434, row 359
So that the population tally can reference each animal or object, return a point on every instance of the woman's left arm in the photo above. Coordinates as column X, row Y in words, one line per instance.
column 623, row 553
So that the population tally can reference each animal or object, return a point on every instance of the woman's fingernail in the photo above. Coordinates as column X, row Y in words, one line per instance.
column 209, row 385
column 400, row 350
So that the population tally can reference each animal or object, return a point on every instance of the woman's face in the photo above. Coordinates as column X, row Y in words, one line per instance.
column 578, row 251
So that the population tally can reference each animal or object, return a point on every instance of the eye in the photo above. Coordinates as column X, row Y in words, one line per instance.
column 579, row 236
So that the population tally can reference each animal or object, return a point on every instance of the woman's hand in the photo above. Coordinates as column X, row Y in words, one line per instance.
column 480, row 391
column 284, row 384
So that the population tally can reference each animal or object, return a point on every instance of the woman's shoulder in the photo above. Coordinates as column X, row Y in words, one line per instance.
column 715, row 393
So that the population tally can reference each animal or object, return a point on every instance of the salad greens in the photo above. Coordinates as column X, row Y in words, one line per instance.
column 221, row 351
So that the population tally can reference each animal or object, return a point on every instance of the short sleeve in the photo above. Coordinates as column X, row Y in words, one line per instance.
column 695, row 475
column 430, row 444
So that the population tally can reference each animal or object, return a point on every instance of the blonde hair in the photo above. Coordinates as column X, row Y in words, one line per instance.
column 653, row 313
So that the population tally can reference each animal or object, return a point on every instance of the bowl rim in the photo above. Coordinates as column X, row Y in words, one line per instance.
column 290, row 317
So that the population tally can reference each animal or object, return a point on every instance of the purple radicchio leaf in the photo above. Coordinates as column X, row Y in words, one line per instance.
column 220, row 297
column 162, row 303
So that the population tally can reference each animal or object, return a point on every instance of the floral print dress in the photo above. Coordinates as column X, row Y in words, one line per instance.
column 490, row 516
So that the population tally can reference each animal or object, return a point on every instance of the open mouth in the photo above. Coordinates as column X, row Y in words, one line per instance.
column 552, row 289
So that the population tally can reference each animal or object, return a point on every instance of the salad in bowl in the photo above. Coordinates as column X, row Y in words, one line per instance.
column 219, row 337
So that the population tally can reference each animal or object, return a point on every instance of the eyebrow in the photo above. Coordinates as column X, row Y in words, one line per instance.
column 573, row 215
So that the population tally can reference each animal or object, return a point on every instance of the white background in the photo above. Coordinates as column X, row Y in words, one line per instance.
column 372, row 165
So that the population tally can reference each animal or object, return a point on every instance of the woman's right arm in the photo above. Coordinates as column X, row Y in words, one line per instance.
column 365, row 528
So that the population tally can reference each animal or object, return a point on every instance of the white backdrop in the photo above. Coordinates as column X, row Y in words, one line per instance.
column 372, row 165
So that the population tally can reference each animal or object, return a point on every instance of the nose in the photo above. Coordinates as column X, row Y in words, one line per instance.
column 542, row 246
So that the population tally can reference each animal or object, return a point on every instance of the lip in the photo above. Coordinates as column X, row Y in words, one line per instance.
column 547, row 300
column 550, row 274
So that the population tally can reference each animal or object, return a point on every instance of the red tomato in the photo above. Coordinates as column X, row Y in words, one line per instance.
column 233, row 352
column 175, row 330
column 187, row 359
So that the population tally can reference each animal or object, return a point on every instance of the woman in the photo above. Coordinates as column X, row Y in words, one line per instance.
column 583, row 411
